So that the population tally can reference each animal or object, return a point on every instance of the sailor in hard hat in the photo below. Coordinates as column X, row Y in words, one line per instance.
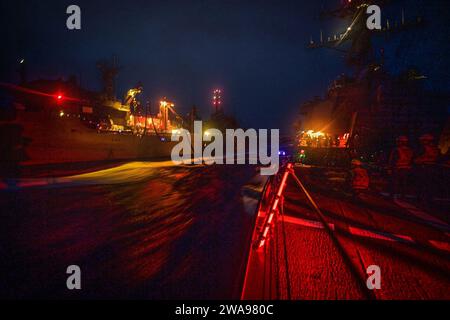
column 359, row 178
column 426, row 167
column 445, row 175
column 400, row 163
column 430, row 152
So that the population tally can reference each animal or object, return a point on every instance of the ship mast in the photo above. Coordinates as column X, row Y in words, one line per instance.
column 217, row 100
column 360, row 52
column 109, row 71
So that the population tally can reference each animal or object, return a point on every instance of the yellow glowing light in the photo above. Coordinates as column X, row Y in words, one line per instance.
column 165, row 104
column 61, row 113
column 314, row 134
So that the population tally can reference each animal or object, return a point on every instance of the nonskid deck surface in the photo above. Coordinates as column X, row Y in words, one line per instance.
column 411, row 249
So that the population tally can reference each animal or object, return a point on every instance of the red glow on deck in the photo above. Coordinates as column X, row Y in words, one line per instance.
column 275, row 204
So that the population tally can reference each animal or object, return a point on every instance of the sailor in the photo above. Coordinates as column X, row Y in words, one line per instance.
column 400, row 163
column 359, row 178
column 426, row 168
column 430, row 152
column 445, row 175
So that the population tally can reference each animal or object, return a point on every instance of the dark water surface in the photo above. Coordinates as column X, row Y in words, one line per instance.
column 135, row 231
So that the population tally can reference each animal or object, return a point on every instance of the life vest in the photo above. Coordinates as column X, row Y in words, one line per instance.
column 429, row 156
column 360, row 180
column 404, row 156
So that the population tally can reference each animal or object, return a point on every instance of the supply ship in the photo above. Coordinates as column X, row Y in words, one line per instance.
column 58, row 121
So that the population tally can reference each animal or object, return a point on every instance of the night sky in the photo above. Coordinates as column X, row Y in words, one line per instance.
column 253, row 50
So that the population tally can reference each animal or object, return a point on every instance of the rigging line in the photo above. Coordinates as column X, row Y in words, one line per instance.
column 349, row 28
column 277, row 257
column 271, row 248
column 286, row 259
column 154, row 129
column 368, row 293
column 264, row 272
column 177, row 115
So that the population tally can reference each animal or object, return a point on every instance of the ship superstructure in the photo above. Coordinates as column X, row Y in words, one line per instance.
column 371, row 106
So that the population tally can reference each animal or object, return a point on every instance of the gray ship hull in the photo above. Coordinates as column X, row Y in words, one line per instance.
column 48, row 138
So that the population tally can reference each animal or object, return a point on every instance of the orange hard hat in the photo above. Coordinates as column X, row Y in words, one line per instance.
column 356, row 162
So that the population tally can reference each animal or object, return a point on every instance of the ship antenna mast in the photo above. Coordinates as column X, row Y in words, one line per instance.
column 360, row 52
column 217, row 100
column 109, row 71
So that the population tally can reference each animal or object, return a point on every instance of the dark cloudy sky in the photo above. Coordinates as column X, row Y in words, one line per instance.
column 253, row 50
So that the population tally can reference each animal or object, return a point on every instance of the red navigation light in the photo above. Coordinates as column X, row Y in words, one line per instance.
column 59, row 97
